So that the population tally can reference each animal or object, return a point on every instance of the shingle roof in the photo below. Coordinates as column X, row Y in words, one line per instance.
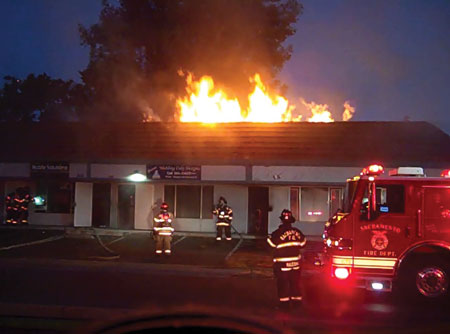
column 306, row 144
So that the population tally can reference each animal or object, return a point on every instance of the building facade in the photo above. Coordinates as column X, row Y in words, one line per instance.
column 259, row 169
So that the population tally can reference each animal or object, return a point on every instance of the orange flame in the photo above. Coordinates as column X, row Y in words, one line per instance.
column 348, row 111
column 207, row 104
column 320, row 112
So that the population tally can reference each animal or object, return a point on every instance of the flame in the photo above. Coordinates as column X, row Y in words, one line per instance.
column 348, row 111
column 206, row 103
column 264, row 108
column 320, row 112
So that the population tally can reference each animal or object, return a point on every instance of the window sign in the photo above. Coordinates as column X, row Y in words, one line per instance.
column 172, row 172
column 53, row 169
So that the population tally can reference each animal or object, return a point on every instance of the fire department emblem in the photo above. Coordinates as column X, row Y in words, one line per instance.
column 379, row 240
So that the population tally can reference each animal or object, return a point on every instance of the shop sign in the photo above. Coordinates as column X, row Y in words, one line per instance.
column 50, row 169
column 173, row 172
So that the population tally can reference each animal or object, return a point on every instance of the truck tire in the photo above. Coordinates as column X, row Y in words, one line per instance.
column 426, row 278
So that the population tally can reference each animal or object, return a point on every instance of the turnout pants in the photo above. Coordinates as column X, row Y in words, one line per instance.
column 288, row 285
column 223, row 229
column 163, row 243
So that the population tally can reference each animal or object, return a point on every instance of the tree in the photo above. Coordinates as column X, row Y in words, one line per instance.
column 39, row 98
column 138, row 47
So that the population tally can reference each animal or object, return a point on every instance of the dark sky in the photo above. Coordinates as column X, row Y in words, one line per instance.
column 390, row 58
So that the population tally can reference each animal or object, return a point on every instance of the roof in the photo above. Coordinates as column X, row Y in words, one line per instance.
column 301, row 144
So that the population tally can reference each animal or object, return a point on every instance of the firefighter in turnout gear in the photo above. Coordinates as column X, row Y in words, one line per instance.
column 224, row 218
column 163, row 230
column 287, row 242
column 9, row 200
column 25, row 199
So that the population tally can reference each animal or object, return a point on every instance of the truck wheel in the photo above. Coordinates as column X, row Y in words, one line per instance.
column 427, row 279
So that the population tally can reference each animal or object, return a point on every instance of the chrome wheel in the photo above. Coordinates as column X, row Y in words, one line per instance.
column 432, row 282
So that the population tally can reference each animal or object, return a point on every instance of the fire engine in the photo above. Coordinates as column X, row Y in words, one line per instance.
column 392, row 232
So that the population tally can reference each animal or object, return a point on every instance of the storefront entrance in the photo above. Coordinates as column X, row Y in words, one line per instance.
column 101, row 204
column 126, row 206
column 258, row 208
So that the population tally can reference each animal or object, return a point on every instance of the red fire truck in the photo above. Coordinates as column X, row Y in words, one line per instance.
column 393, row 231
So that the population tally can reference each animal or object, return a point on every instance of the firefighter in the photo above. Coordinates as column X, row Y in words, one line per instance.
column 163, row 230
column 287, row 242
column 224, row 218
column 9, row 201
column 16, row 206
column 26, row 198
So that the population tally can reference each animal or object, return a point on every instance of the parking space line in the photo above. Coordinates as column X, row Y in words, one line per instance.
column 179, row 240
column 118, row 239
column 234, row 249
column 57, row 237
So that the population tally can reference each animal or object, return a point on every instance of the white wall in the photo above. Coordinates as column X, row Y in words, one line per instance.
column 78, row 170
column 304, row 174
column 143, row 215
column 237, row 198
column 83, row 204
column 114, row 208
column 223, row 173
column 279, row 200
column 14, row 170
column 104, row 171
column 59, row 219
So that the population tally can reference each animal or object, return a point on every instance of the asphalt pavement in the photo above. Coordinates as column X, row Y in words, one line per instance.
column 65, row 283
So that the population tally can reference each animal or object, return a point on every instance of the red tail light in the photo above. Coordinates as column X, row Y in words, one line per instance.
column 445, row 173
column 341, row 273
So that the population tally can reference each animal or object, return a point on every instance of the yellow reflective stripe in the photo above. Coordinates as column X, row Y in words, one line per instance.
column 165, row 233
column 286, row 269
column 365, row 262
column 297, row 298
column 271, row 243
column 284, row 299
column 286, row 259
column 222, row 224
column 303, row 243
column 289, row 244
column 164, row 228
column 296, row 268
column 159, row 251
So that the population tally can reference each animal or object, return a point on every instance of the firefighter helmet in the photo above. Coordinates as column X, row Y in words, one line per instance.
column 287, row 217
column 164, row 206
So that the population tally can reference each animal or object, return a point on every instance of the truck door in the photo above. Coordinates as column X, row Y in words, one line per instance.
column 434, row 221
column 386, row 231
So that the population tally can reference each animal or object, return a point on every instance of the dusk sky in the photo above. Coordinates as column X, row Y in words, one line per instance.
column 390, row 59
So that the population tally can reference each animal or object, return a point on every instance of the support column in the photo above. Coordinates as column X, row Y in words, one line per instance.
column 143, row 206
column 83, row 204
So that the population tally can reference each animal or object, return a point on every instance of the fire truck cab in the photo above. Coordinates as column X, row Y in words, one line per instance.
column 393, row 232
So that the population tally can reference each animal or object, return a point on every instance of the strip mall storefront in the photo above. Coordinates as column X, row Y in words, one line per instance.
column 101, row 195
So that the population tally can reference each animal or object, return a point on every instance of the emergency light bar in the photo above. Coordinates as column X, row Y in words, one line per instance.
column 407, row 171
column 445, row 173
column 373, row 170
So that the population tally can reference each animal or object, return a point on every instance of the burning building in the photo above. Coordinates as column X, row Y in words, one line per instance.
column 81, row 171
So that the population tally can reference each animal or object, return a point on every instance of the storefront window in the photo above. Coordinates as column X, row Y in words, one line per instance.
column 56, row 196
column 207, row 202
column 295, row 203
column 314, row 204
column 190, row 201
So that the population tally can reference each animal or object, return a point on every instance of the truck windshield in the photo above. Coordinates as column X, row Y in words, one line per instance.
column 349, row 195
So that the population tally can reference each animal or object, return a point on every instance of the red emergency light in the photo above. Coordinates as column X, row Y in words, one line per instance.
column 373, row 170
column 445, row 173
